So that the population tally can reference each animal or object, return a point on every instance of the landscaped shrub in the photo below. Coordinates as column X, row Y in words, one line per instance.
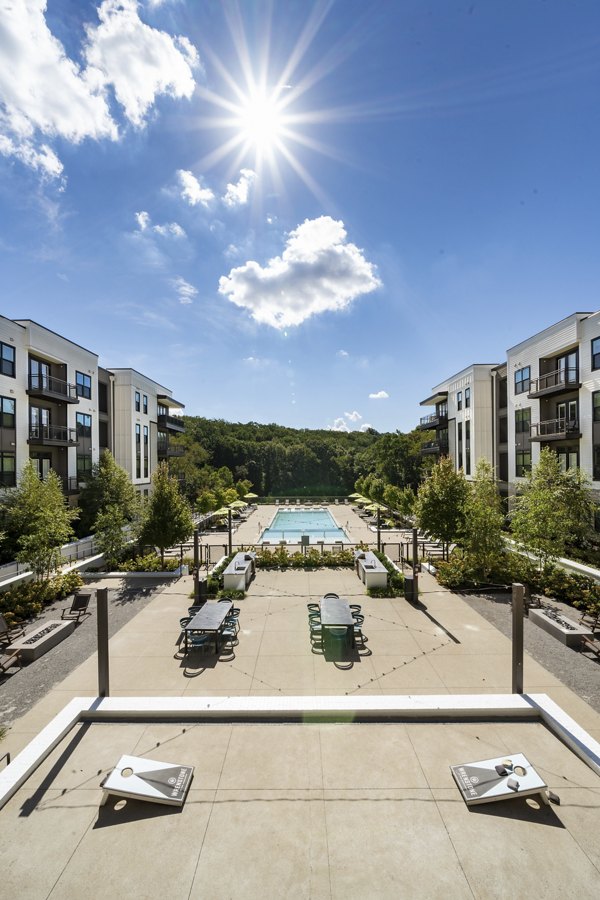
column 28, row 599
column 150, row 562
column 311, row 559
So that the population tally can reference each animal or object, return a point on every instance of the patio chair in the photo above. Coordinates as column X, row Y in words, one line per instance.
column 8, row 633
column 313, row 607
column 331, row 596
column 7, row 661
column 355, row 607
column 78, row 608
column 590, row 644
column 203, row 642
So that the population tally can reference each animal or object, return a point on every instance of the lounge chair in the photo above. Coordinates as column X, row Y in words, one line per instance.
column 8, row 633
column 78, row 608
column 590, row 644
column 7, row 661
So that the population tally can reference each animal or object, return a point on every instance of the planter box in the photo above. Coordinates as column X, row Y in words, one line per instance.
column 47, row 635
column 570, row 636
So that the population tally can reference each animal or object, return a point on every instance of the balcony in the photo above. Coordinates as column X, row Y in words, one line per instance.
column 558, row 382
column 52, row 436
column 438, row 447
column 49, row 388
column 165, row 449
column 433, row 421
column 555, row 430
column 170, row 423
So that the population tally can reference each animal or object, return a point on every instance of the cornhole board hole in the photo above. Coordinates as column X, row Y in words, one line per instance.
column 136, row 778
column 501, row 778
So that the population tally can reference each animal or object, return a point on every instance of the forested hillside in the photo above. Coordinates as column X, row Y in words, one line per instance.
column 303, row 462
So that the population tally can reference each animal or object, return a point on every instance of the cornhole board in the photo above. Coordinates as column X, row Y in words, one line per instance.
column 137, row 778
column 484, row 781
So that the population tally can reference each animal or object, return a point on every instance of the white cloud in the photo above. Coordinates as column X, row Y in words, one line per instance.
column 184, row 289
column 317, row 272
column 342, row 353
column 169, row 229
column 353, row 416
column 339, row 425
column 192, row 190
column 237, row 194
column 365, row 426
column 380, row 395
column 45, row 95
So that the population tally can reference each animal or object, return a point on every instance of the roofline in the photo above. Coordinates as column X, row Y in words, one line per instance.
column 50, row 331
column 583, row 315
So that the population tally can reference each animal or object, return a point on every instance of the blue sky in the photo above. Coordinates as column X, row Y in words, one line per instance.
column 295, row 212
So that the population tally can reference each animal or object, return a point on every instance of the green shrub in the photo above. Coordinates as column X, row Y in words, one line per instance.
column 232, row 595
column 28, row 599
column 150, row 562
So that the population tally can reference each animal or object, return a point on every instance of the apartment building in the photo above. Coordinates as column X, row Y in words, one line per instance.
column 546, row 394
column 60, row 409
column 462, row 426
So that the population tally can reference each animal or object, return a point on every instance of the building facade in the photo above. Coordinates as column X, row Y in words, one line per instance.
column 546, row 394
column 60, row 409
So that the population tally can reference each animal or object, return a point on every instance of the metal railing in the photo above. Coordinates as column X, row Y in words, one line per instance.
column 48, row 384
column 554, row 428
column 55, row 434
column 557, row 379
column 171, row 422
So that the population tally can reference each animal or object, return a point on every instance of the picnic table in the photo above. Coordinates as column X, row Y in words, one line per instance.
column 208, row 620
column 336, row 614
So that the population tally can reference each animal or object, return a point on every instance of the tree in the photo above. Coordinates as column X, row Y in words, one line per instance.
column 41, row 517
column 107, row 485
column 482, row 537
column 207, row 502
column 108, row 530
column 167, row 516
column 439, row 507
column 553, row 509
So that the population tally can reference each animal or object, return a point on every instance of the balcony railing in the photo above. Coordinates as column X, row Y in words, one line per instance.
column 555, row 430
column 440, row 447
column 52, row 388
column 171, row 423
column 58, row 435
column 555, row 382
column 435, row 420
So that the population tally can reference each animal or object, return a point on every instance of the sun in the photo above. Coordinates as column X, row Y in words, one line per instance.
column 261, row 122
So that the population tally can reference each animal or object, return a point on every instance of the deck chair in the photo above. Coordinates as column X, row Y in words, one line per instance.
column 8, row 633
column 7, row 661
column 590, row 644
column 78, row 608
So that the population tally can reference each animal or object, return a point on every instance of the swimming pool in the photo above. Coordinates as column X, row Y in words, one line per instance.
column 291, row 524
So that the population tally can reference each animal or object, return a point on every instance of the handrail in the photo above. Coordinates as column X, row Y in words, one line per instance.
column 52, row 385
column 557, row 378
column 555, row 426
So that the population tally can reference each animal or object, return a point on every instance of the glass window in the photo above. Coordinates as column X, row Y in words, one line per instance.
column 523, row 463
column 459, row 445
column 84, row 425
column 596, row 353
column 145, row 451
column 84, row 466
column 138, row 451
column 84, row 385
column 523, row 421
column 596, row 405
column 7, row 412
column 522, row 380
column 137, row 401
column 145, row 405
column 8, row 470
column 467, row 447
column 7, row 360
column 467, row 397
column 459, row 399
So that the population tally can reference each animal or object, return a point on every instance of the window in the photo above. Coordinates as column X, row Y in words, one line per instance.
column 8, row 470
column 596, row 472
column 596, row 406
column 523, row 421
column 7, row 360
column 84, row 385
column 162, row 410
column 7, row 412
column 468, row 447
column 145, row 451
column 137, row 401
column 459, row 399
column 145, row 405
column 84, row 466
column 442, row 409
column 522, row 380
column 596, row 353
column 138, row 451
column 84, row 425
column 467, row 397
column 523, row 463
column 459, row 446
column 569, row 458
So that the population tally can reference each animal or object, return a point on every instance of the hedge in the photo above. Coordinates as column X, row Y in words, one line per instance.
column 28, row 599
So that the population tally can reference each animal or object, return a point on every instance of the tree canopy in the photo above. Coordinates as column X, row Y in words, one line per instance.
column 167, row 518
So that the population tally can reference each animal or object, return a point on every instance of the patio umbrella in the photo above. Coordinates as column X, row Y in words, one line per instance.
column 354, row 496
column 250, row 496
column 362, row 501
column 373, row 507
column 221, row 512
column 238, row 504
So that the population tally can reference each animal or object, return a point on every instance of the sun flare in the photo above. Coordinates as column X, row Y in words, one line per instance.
column 261, row 122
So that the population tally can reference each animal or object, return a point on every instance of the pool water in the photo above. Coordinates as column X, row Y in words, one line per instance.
column 291, row 524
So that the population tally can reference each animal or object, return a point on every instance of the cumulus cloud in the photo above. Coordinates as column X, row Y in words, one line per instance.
column 339, row 425
column 170, row 229
column 342, row 353
column 353, row 416
column 44, row 94
column 185, row 291
column 318, row 271
column 365, row 426
column 192, row 190
column 380, row 395
column 237, row 194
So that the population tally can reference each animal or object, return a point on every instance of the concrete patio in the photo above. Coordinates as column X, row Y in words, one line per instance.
column 305, row 809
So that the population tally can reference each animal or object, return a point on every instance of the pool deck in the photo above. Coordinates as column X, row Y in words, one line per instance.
column 313, row 808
